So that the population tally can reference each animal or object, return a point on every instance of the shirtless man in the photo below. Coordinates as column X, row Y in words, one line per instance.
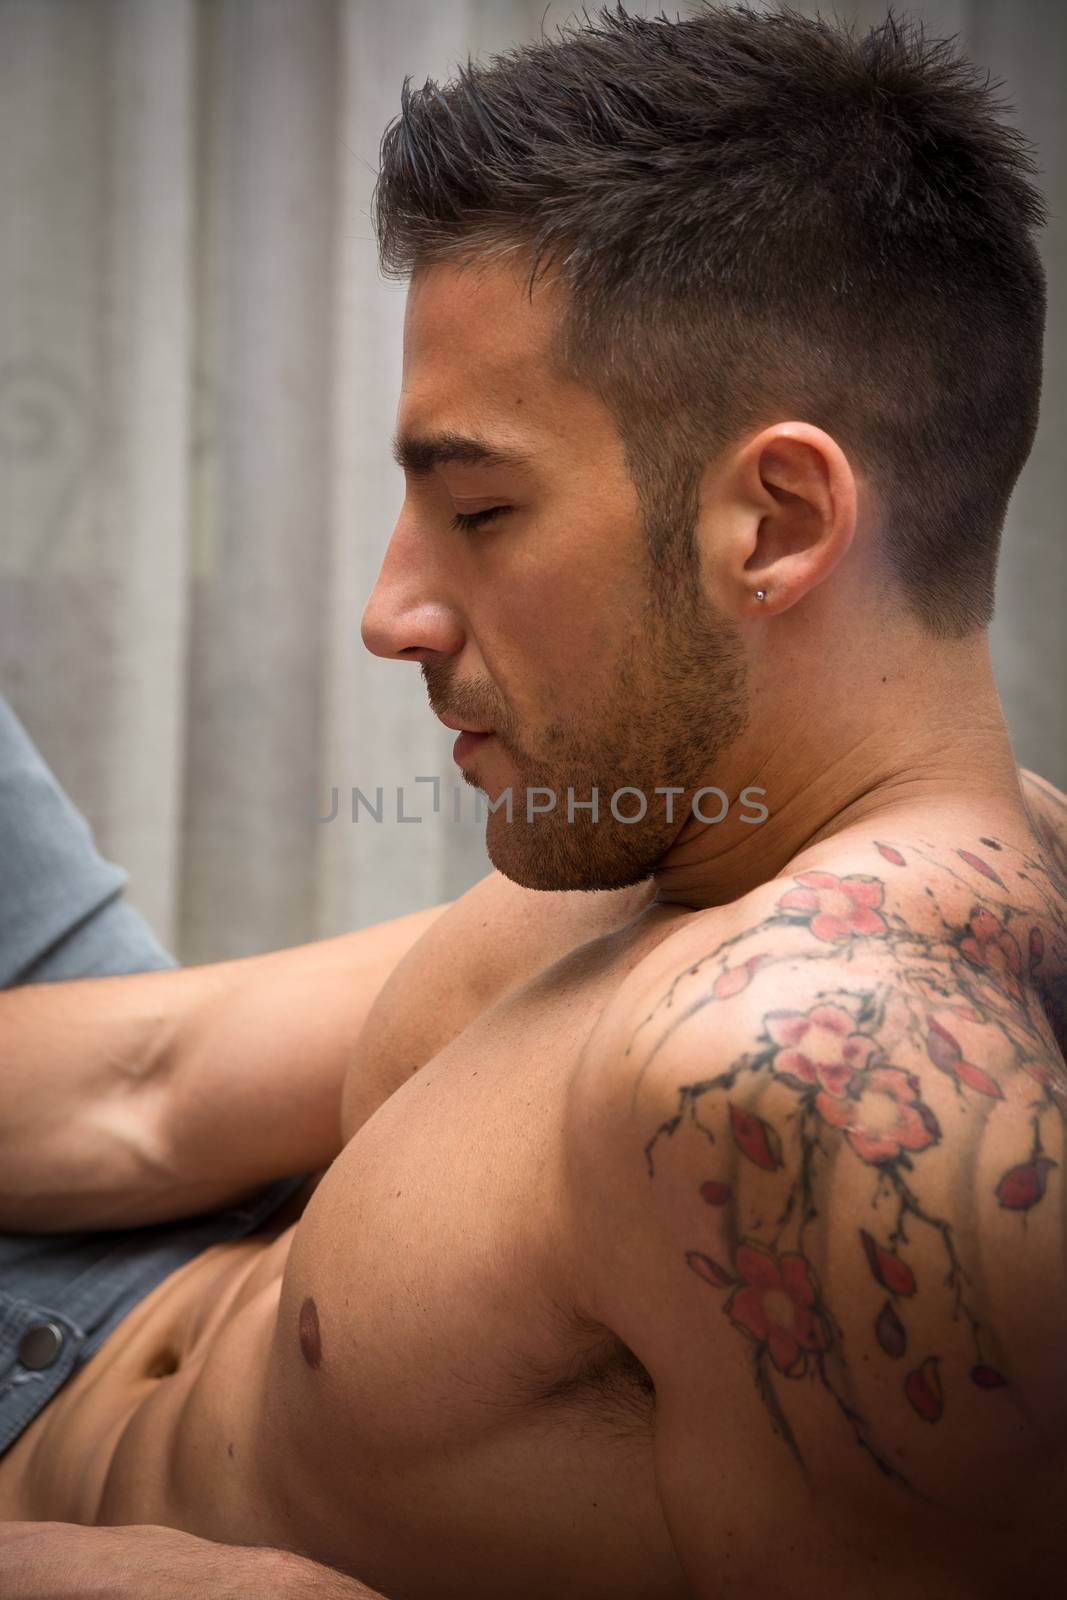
column 694, row 1229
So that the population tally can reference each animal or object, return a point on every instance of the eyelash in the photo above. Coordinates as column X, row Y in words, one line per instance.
column 468, row 521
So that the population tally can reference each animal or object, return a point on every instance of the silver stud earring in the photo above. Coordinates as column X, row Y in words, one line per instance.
column 761, row 594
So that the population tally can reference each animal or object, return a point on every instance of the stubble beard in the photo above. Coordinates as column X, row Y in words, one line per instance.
column 677, row 705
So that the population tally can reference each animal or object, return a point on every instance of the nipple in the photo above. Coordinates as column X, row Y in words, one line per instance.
column 310, row 1334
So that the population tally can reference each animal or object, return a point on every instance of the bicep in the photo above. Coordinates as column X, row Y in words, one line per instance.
column 835, row 1257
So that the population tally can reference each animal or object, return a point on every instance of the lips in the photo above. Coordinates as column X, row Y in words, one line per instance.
column 459, row 727
column 468, row 742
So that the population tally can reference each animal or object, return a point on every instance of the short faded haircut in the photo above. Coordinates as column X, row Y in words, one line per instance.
column 757, row 216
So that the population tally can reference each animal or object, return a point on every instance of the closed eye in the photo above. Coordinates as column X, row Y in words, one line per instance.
column 465, row 521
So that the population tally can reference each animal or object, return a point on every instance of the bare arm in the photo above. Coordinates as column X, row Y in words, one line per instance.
column 65, row 1561
column 138, row 1099
column 816, row 1180
column 128, row 1100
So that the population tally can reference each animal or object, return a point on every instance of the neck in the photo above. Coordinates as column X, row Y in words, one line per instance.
column 859, row 750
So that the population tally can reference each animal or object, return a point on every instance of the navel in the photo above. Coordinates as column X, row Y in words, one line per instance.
column 310, row 1334
column 163, row 1364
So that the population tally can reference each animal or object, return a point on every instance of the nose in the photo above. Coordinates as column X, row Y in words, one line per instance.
column 409, row 615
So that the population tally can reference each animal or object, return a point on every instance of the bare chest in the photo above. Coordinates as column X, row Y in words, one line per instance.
column 430, row 1333
column 448, row 1209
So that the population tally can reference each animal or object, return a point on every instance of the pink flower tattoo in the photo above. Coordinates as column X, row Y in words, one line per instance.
column 821, row 1046
column 840, row 907
column 885, row 1117
column 775, row 1304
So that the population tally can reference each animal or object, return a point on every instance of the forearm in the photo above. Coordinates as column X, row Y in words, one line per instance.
column 67, row 1561
column 125, row 1100
column 294, row 1578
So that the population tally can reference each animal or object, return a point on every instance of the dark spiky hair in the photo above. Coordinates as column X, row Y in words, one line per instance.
column 758, row 215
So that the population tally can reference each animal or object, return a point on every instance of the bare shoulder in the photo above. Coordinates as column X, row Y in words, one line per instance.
column 817, row 1175
column 1047, row 808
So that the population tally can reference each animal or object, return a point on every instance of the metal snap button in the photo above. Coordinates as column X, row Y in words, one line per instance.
column 40, row 1345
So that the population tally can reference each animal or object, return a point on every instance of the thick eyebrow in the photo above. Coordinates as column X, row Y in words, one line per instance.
column 419, row 454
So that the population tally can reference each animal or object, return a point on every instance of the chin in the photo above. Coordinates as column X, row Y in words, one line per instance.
column 547, row 855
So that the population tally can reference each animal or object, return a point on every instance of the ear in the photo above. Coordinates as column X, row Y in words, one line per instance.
column 784, row 514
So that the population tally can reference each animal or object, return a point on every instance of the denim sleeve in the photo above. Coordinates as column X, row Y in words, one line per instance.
column 62, row 912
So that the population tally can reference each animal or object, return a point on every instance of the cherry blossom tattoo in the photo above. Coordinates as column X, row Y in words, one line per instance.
column 978, row 996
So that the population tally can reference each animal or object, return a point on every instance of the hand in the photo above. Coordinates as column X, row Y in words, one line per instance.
column 66, row 1561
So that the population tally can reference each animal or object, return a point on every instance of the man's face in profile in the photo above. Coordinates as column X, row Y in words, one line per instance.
column 543, row 625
